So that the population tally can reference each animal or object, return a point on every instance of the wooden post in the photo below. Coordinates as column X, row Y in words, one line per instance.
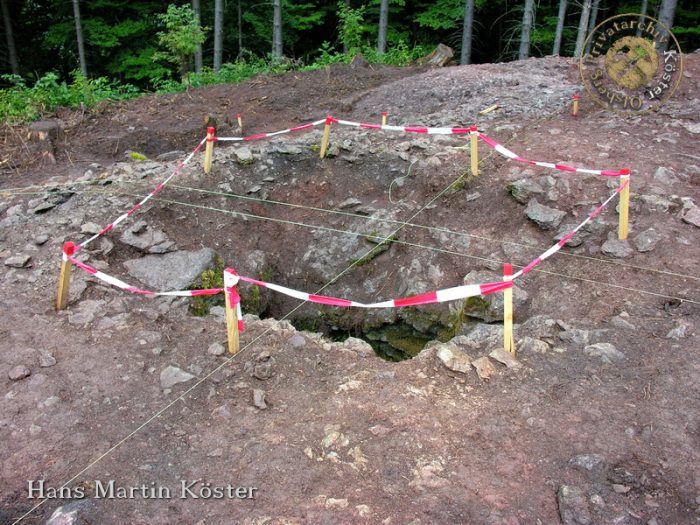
column 474, row 139
column 209, row 151
column 574, row 109
column 384, row 116
column 64, row 277
column 326, row 136
column 624, row 207
column 240, row 120
column 508, row 341
column 233, row 310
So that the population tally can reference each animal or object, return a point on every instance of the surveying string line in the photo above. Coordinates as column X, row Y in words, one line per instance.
column 225, row 363
column 197, row 384
column 430, row 228
column 411, row 244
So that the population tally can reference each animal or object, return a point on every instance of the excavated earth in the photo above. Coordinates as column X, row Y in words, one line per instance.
column 320, row 418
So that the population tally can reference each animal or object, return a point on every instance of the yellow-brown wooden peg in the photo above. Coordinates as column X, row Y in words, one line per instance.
column 209, row 150
column 624, row 206
column 574, row 109
column 64, row 277
column 233, row 312
column 384, row 117
column 474, row 140
column 240, row 120
column 508, row 341
column 326, row 136
column 488, row 109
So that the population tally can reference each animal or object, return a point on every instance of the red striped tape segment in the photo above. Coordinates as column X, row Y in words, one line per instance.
column 143, row 201
column 502, row 150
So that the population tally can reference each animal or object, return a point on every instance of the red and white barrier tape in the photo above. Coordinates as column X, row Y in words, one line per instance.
column 139, row 205
column 559, row 245
column 330, row 120
column 272, row 133
column 406, row 129
column 231, row 279
column 561, row 167
column 438, row 296
column 502, row 150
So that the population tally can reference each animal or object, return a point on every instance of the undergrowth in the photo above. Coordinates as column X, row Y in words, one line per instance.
column 21, row 102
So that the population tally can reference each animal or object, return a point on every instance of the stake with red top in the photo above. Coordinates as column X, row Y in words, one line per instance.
column 209, row 151
column 574, row 109
column 64, row 277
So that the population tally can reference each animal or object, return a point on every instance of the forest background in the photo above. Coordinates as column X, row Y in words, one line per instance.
column 79, row 52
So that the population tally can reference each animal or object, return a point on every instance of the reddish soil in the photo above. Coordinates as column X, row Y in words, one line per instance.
column 348, row 437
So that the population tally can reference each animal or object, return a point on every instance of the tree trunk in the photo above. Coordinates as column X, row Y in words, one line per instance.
column 591, row 23
column 198, row 52
column 240, row 30
column 467, row 27
column 582, row 26
column 277, row 28
column 643, row 12
column 383, row 22
column 667, row 12
column 528, row 17
column 11, row 50
column 218, row 33
column 560, row 27
column 79, row 34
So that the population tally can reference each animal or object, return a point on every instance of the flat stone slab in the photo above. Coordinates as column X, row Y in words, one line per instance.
column 171, row 271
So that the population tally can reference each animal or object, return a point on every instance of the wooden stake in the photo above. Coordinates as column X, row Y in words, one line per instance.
column 240, row 121
column 233, row 302
column 474, row 138
column 488, row 109
column 384, row 116
column 326, row 136
column 209, row 151
column 64, row 277
column 508, row 341
column 574, row 109
column 624, row 207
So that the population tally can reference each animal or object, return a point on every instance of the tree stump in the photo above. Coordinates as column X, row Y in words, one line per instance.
column 440, row 56
column 44, row 138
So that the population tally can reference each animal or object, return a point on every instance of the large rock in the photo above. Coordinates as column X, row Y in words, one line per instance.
column 617, row 248
column 453, row 358
column 172, row 375
column 607, row 352
column 172, row 271
column 545, row 217
column 573, row 506
column 522, row 190
column 146, row 239
column 692, row 216
column 647, row 240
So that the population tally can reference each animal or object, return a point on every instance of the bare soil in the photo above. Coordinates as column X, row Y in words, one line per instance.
column 348, row 437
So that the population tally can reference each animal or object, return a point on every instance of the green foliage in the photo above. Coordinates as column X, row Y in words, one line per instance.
column 135, row 155
column 181, row 37
column 351, row 27
column 21, row 103
column 213, row 278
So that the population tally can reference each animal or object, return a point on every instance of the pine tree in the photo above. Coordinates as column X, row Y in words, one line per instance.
column 560, row 27
column 528, row 17
column 79, row 34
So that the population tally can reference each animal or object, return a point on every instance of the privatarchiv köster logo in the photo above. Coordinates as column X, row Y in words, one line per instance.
column 631, row 63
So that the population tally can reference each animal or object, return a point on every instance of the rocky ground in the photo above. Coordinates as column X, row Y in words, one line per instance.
column 594, row 422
